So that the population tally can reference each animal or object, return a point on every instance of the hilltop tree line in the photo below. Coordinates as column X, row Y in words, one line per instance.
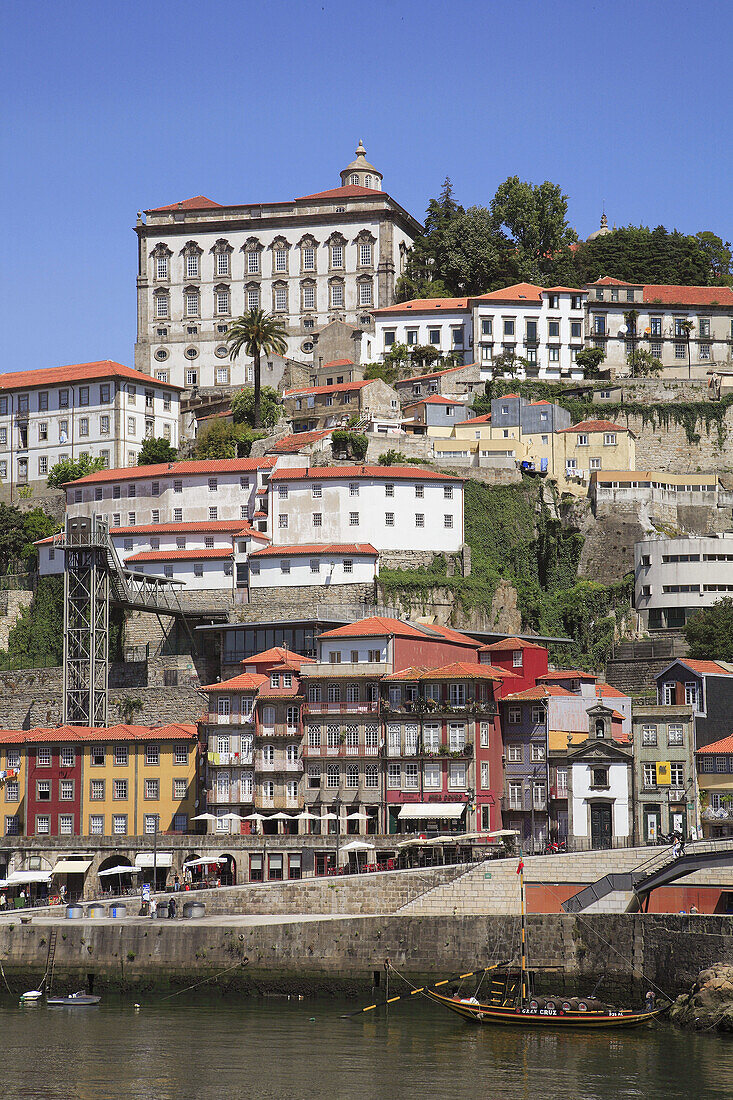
column 523, row 235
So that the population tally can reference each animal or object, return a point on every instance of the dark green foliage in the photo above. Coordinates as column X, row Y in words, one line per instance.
column 590, row 359
column 718, row 255
column 709, row 633
column 224, row 440
column 154, row 451
column 243, row 406
column 392, row 458
column 70, row 470
column 350, row 444
column 37, row 639
column 385, row 371
column 638, row 254
column 513, row 535
column 18, row 531
column 535, row 216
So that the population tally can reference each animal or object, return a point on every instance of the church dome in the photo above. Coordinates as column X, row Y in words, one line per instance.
column 360, row 173
column 603, row 231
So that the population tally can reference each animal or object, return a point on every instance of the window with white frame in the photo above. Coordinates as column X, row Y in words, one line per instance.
column 456, row 776
column 537, row 752
column 332, row 777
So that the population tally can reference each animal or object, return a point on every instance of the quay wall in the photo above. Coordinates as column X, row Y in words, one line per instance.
column 346, row 955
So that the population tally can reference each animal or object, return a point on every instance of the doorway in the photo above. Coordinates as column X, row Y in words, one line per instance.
column 600, row 825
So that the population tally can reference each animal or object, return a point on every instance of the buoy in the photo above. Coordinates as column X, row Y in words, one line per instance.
column 136, row 1007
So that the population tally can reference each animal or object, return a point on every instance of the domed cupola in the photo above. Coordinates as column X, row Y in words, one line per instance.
column 360, row 173
column 602, row 232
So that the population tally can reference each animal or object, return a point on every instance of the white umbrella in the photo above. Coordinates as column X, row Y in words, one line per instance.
column 357, row 846
column 231, row 817
column 305, row 816
column 122, row 870
column 357, row 817
column 204, row 817
column 280, row 817
column 329, row 817
column 253, row 817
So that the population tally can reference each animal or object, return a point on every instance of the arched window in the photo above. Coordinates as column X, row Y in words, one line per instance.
column 367, row 181
column 352, row 775
column 354, row 180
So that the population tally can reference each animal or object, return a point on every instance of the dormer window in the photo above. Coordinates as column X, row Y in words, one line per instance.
column 275, row 679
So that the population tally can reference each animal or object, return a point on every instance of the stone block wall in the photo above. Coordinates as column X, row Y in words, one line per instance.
column 297, row 598
column 12, row 603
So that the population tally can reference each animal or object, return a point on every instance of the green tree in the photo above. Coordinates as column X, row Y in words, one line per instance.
column 243, row 406
column 37, row 639
column 154, row 451
column 225, row 440
column 718, row 253
column 422, row 355
column 385, row 371
column 70, row 470
column 535, row 217
column 397, row 356
column 643, row 363
column 590, row 359
column 637, row 254
column 509, row 363
column 477, row 255
column 392, row 458
column 256, row 332
column 426, row 261
column 709, row 633
column 18, row 531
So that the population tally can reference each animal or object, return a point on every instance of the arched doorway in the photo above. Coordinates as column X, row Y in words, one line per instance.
column 227, row 870
column 117, row 876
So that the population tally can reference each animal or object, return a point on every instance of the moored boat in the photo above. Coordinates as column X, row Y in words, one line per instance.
column 73, row 1000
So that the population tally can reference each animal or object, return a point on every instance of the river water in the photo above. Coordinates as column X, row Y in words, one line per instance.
column 279, row 1049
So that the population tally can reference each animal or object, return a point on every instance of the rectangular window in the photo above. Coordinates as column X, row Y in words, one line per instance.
column 66, row 790
column 119, row 790
column 447, row 521
column 119, row 824
column 121, row 756
column 281, row 259
column 537, row 752
column 281, row 298
column 389, row 519
column 96, row 790
column 456, row 777
column 337, row 255
column 152, row 789
column 394, row 777
column 675, row 735
column 650, row 774
column 649, row 735
column 151, row 823
column 222, row 263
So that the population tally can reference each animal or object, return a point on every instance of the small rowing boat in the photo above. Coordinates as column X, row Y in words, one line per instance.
column 73, row 1000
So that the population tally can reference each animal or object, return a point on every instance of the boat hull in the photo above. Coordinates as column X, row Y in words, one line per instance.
column 80, row 1001
column 523, row 1017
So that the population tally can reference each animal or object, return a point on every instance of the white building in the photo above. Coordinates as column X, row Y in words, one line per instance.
column 104, row 410
column 544, row 325
column 304, row 565
column 674, row 578
column 600, row 785
column 625, row 317
column 393, row 507
column 329, row 256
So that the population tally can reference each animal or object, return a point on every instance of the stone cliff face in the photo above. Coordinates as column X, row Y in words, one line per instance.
column 709, row 1004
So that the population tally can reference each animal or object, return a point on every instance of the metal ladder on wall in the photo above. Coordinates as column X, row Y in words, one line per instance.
column 47, row 980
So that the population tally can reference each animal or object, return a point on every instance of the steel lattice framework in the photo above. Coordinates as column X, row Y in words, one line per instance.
column 93, row 580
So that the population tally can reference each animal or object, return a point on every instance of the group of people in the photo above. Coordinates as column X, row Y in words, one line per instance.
column 678, row 845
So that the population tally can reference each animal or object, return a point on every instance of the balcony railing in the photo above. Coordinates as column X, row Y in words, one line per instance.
column 433, row 708
column 341, row 708
column 559, row 792
column 230, row 759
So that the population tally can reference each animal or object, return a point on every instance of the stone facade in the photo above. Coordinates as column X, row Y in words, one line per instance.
column 295, row 599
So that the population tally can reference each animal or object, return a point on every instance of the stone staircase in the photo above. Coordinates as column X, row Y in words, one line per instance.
column 492, row 887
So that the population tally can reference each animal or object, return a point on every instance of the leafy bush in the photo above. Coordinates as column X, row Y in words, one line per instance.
column 392, row 458
column 70, row 470
column 351, row 444
column 154, row 451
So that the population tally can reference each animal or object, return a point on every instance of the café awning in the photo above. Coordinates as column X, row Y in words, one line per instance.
column 19, row 878
column 157, row 859
column 434, row 810
column 210, row 861
column 121, row 870
column 72, row 866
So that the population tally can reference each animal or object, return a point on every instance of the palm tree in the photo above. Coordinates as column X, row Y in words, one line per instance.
column 257, row 331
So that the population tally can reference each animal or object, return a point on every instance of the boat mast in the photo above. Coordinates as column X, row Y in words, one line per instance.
column 523, row 984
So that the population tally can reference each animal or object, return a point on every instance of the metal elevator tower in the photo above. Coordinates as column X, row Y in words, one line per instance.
column 86, row 622
column 95, row 580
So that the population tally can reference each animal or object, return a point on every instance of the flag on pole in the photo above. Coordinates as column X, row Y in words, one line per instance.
column 520, row 868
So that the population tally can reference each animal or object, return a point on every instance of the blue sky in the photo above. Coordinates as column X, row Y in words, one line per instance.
column 111, row 108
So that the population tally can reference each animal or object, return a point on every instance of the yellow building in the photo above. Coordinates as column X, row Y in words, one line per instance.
column 13, row 781
column 588, row 447
column 715, row 784
column 137, row 778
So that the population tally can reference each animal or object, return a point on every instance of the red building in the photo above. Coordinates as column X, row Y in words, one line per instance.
column 53, row 788
column 527, row 661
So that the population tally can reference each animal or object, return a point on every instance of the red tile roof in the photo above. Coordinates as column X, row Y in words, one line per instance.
column 566, row 674
column 350, row 191
column 525, row 292
column 277, row 653
column 235, row 526
column 364, row 548
column 79, row 372
column 343, row 473
column 341, row 387
column 452, row 635
column 434, row 399
column 541, row 691
column 178, row 555
column 705, row 668
column 607, row 691
column 245, row 681
column 373, row 627
column 485, row 418
column 722, row 746
column 425, row 305
column 198, row 202
column 179, row 469
column 175, row 731
column 456, row 670
column 608, row 280
column 563, row 290
column 507, row 644
column 338, row 363
column 594, row 426
column 291, row 444
column 688, row 295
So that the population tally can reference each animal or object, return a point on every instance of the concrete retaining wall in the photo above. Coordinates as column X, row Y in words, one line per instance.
column 346, row 955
